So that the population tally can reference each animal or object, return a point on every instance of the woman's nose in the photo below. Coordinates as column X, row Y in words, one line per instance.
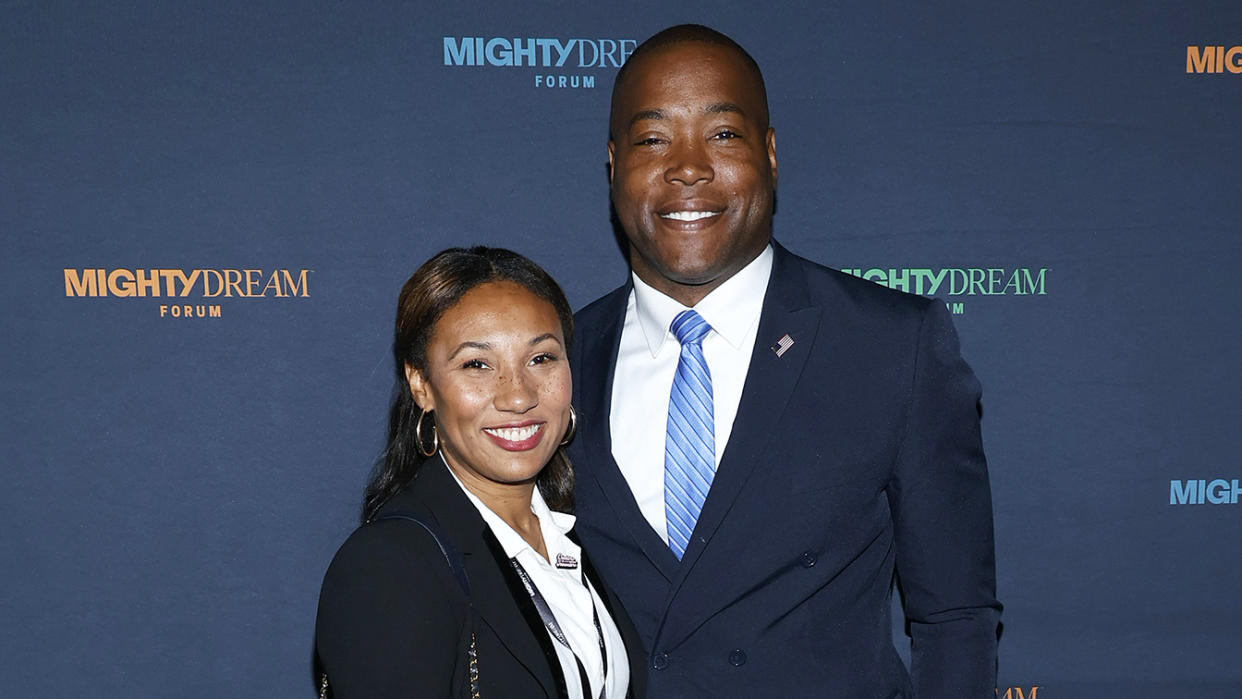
column 516, row 393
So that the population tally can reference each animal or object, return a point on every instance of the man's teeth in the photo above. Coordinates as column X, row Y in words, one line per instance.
column 689, row 215
column 515, row 434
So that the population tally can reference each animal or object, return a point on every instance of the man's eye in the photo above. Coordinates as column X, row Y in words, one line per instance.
column 727, row 134
column 650, row 141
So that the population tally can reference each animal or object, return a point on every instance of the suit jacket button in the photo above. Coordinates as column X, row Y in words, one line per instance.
column 737, row 658
column 808, row 559
column 660, row 661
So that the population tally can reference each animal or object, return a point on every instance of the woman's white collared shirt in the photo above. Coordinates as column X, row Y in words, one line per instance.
column 573, row 603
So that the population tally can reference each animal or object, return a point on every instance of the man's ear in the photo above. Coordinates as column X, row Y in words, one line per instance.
column 612, row 147
column 420, row 390
column 771, row 143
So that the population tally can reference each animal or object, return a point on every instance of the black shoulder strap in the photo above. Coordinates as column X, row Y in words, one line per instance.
column 455, row 563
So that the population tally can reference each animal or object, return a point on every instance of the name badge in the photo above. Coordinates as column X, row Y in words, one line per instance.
column 568, row 562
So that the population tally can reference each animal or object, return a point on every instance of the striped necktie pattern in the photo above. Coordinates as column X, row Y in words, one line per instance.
column 690, row 442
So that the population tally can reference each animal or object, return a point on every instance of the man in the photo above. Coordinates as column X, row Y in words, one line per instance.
column 763, row 440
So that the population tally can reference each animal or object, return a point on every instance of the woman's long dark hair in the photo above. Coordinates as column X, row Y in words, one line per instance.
column 437, row 286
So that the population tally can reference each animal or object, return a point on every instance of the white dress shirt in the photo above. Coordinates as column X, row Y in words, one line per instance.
column 647, row 361
column 572, row 603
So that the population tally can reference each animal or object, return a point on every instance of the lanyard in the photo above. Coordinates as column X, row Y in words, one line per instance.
column 554, row 628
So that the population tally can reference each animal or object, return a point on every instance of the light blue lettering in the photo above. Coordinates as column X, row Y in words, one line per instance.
column 499, row 58
column 527, row 51
column 1184, row 493
column 582, row 45
column 456, row 54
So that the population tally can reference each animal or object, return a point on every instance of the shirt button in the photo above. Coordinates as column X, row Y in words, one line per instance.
column 808, row 559
column 660, row 661
column 737, row 658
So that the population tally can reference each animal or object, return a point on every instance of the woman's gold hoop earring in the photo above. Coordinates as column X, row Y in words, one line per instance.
column 573, row 426
column 418, row 435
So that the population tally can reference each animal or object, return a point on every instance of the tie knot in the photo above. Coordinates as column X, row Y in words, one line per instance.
column 690, row 328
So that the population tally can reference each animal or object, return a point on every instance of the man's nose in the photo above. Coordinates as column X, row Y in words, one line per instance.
column 688, row 163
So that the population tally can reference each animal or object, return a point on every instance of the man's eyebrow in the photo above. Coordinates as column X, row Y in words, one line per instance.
column 724, row 108
column 647, row 114
column 470, row 344
column 714, row 108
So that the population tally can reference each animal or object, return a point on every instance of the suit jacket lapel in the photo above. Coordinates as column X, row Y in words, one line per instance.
column 599, row 350
column 770, row 380
column 491, row 592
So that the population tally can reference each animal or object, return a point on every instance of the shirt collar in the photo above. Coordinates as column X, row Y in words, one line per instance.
column 553, row 525
column 731, row 308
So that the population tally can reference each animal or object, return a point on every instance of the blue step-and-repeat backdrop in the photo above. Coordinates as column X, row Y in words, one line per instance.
column 208, row 209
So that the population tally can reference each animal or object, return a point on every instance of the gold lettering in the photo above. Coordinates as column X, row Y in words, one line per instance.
column 1200, row 60
column 121, row 282
column 188, row 283
column 273, row 282
column 232, row 282
column 155, row 283
column 213, row 311
column 1233, row 60
column 207, row 275
column 169, row 275
column 251, row 282
column 81, row 285
column 293, row 286
column 147, row 282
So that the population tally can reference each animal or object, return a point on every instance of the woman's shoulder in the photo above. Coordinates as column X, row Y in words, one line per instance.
column 394, row 549
column 389, row 594
column 389, row 574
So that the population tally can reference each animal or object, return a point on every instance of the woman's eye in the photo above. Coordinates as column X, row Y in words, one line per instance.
column 544, row 358
column 474, row 364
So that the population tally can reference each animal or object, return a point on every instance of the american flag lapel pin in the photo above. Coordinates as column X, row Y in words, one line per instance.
column 782, row 345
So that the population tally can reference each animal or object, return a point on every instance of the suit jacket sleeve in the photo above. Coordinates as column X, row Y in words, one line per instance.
column 391, row 617
column 942, row 510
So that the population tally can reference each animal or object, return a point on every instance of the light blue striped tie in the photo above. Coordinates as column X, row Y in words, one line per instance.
column 690, row 444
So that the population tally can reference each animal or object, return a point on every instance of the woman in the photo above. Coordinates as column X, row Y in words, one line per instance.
column 464, row 579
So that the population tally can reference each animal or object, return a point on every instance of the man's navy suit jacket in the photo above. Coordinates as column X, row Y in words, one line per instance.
column 854, row 452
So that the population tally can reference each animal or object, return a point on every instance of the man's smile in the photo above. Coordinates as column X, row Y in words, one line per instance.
column 689, row 215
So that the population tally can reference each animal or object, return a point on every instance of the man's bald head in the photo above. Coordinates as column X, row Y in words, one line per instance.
column 685, row 34
column 693, row 161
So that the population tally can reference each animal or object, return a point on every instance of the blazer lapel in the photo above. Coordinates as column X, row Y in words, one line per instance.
column 498, row 605
column 599, row 350
column 770, row 380
column 625, row 626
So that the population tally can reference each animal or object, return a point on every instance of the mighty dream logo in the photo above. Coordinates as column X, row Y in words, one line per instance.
column 187, row 293
column 958, row 282
column 1214, row 59
column 556, row 63
column 1202, row 491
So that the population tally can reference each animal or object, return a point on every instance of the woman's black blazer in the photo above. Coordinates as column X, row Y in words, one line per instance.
column 393, row 620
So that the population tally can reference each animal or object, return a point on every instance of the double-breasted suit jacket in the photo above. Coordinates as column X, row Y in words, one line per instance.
column 855, row 452
column 393, row 620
